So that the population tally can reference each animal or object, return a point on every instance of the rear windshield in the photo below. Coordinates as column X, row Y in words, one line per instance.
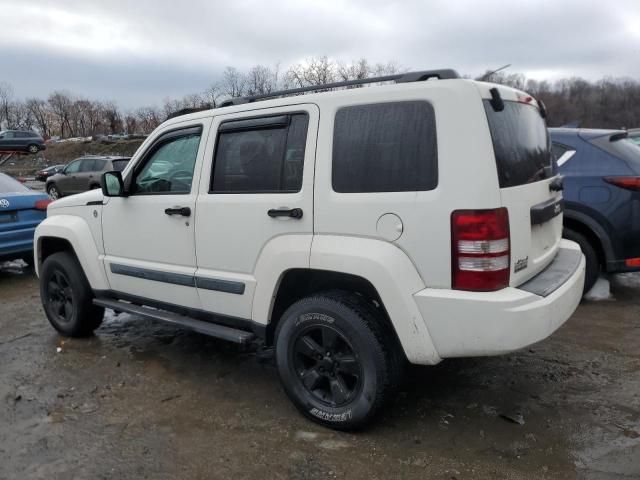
column 118, row 165
column 520, row 143
column 9, row 185
column 623, row 148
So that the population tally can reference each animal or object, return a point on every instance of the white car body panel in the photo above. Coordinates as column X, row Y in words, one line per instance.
column 75, row 229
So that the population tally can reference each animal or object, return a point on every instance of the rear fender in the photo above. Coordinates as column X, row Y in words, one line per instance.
column 394, row 277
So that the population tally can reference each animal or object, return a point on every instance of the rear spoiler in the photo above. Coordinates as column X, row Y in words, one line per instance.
column 618, row 136
column 497, row 103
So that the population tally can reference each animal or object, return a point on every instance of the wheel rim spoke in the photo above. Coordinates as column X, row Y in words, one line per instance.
column 308, row 347
column 339, row 390
column 68, row 310
column 329, row 338
column 349, row 365
column 60, row 297
column 311, row 378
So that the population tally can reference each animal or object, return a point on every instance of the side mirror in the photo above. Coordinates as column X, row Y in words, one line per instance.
column 112, row 184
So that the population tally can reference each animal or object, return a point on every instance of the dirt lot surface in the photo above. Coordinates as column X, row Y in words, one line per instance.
column 143, row 400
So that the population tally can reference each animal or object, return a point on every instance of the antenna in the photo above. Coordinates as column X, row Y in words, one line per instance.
column 488, row 74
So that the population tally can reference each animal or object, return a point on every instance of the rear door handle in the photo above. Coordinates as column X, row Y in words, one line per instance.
column 285, row 212
column 184, row 211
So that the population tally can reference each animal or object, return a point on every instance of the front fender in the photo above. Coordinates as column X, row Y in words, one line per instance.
column 394, row 277
column 76, row 231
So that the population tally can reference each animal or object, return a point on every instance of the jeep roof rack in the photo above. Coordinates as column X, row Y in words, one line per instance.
column 442, row 74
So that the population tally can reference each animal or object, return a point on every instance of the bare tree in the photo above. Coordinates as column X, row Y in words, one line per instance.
column 357, row 70
column 314, row 71
column 233, row 83
column 6, row 97
column 41, row 115
column 113, row 118
column 212, row 95
column 148, row 118
column 261, row 80
column 60, row 104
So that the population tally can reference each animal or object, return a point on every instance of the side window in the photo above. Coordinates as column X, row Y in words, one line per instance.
column 169, row 166
column 119, row 165
column 99, row 165
column 561, row 153
column 87, row 165
column 260, row 155
column 73, row 167
column 385, row 147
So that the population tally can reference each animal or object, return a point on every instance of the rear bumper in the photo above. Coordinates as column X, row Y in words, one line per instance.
column 464, row 324
column 16, row 243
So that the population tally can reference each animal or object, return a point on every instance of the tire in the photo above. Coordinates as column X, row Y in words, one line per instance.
column 67, row 296
column 53, row 192
column 33, row 148
column 591, row 257
column 337, row 361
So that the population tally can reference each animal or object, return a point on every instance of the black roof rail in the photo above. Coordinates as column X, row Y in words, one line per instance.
column 442, row 74
column 187, row 111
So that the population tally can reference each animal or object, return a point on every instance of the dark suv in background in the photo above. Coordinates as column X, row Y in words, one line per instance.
column 82, row 174
column 21, row 141
column 601, row 170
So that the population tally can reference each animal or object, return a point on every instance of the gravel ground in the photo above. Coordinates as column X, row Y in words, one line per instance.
column 144, row 400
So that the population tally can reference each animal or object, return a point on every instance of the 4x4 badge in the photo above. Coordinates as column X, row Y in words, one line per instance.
column 521, row 264
column 4, row 203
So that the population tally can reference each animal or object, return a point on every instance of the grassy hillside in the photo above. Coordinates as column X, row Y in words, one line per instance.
column 62, row 153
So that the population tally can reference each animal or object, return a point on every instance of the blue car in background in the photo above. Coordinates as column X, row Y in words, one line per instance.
column 21, row 210
column 601, row 170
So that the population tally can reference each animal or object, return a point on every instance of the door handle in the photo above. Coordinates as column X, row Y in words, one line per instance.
column 184, row 211
column 285, row 212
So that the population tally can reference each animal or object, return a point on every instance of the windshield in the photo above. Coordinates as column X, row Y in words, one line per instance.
column 520, row 142
column 10, row 185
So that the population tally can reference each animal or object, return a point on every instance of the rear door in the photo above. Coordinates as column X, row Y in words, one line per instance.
column 85, row 176
column 256, row 187
column 525, row 172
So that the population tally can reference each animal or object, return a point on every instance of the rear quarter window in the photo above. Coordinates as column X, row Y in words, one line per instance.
column 520, row 143
column 119, row 165
column 385, row 147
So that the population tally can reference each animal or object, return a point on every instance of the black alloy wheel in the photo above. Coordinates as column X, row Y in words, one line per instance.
column 327, row 365
column 60, row 297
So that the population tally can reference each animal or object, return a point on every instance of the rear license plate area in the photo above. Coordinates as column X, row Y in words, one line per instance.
column 8, row 217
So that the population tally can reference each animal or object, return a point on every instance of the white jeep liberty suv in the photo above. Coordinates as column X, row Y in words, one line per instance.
column 352, row 230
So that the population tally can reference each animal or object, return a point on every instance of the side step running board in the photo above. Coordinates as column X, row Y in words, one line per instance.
column 219, row 331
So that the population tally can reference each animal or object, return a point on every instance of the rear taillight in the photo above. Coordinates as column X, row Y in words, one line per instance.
column 632, row 262
column 42, row 204
column 480, row 252
column 630, row 183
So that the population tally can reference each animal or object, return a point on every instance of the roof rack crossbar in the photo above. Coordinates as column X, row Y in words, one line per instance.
column 442, row 74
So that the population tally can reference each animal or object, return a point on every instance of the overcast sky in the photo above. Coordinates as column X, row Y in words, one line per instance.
column 139, row 52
